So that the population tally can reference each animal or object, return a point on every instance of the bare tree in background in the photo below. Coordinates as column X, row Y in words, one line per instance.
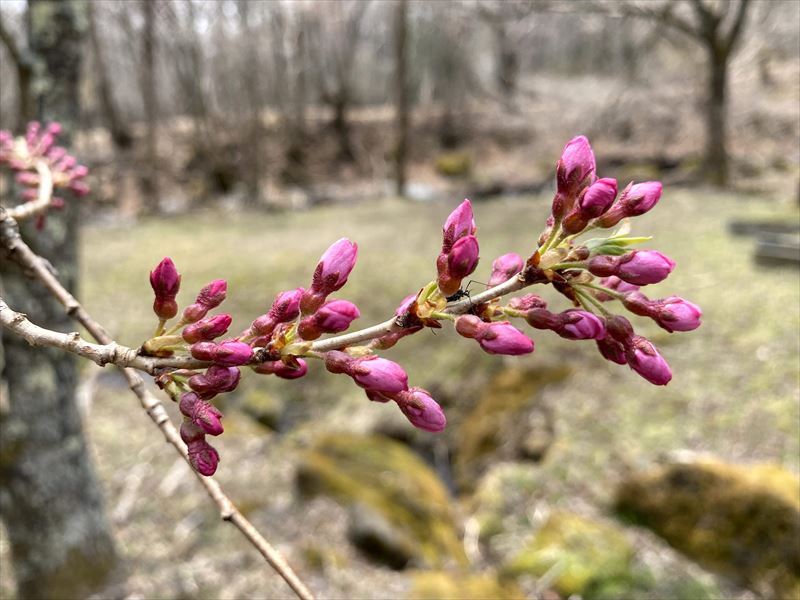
column 150, row 98
column 50, row 500
column 120, row 134
column 251, row 75
column 24, row 66
column 401, row 94
column 717, row 27
column 336, row 37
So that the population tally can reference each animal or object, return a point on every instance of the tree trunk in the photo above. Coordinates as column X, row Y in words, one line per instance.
column 716, row 158
column 341, row 126
column 50, row 500
column 149, row 179
column 119, row 132
column 401, row 83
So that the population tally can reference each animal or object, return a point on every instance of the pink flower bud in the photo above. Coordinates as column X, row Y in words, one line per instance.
column 635, row 200
column 642, row 267
column 232, row 354
column 575, row 170
column 334, row 267
column 620, row 329
column 281, row 369
column 463, row 257
column 207, row 329
column 203, row 350
column 646, row 361
column 676, row 314
column 578, row 324
column 505, row 267
column 333, row 317
column 421, row 410
column 378, row 374
column 191, row 432
column 541, row 318
column 460, row 223
column 405, row 305
column 502, row 337
column 166, row 282
column 286, row 306
column 202, row 413
column 211, row 296
column 215, row 380
column 612, row 350
column 527, row 302
column 598, row 198
column 495, row 338
column 203, row 457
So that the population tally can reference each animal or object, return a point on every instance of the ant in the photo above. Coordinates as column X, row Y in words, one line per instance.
column 465, row 293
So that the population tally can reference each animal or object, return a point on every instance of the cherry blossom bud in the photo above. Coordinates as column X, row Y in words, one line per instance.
column 541, row 318
column 232, row 354
column 333, row 268
column 215, row 380
column 166, row 282
column 370, row 372
column 286, row 306
column 575, row 170
column 203, row 457
column 463, row 257
column 578, row 324
column 207, row 329
column 460, row 223
column 191, row 432
column 505, row 267
column 676, row 314
column 619, row 328
column 646, row 361
column 203, row 350
column 612, row 350
column 594, row 201
column 281, row 369
column 333, row 317
column 421, row 410
column 211, row 296
column 494, row 338
column 635, row 200
column 201, row 412
column 640, row 267
column 405, row 305
column 527, row 302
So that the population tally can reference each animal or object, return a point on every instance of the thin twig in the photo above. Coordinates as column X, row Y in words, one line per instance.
column 17, row 250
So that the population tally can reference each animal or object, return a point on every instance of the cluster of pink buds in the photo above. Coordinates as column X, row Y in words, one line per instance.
column 27, row 154
column 590, row 274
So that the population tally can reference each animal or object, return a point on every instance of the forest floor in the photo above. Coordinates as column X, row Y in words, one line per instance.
column 734, row 394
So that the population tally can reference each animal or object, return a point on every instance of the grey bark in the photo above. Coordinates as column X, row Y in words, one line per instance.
column 149, row 181
column 401, row 91
column 50, row 500
column 24, row 66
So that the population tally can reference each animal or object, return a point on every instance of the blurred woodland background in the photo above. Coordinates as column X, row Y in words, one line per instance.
column 241, row 137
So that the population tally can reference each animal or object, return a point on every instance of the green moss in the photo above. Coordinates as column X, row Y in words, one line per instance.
column 743, row 522
column 443, row 585
column 390, row 479
column 454, row 164
column 502, row 418
column 580, row 554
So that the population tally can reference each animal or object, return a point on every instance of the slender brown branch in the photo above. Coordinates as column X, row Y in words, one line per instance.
column 17, row 250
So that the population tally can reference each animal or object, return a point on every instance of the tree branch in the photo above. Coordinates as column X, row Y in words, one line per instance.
column 738, row 23
column 17, row 250
column 21, row 58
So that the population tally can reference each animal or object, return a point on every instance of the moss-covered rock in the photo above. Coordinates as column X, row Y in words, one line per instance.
column 454, row 164
column 743, row 522
column 389, row 479
column 579, row 554
column 443, row 585
column 507, row 423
